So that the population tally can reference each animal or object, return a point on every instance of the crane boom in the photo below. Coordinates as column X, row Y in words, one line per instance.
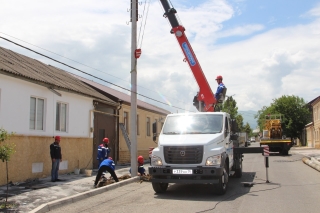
column 205, row 94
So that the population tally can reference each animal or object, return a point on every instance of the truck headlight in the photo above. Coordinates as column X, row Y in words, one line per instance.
column 213, row 160
column 156, row 161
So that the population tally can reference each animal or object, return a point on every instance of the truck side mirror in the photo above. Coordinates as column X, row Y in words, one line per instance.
column 154, row 131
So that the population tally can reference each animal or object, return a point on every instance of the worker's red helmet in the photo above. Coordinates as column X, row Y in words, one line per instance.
column 219, row 77
column 110, row 158
column 140, row 159
column 57, row 138
column 106, row 140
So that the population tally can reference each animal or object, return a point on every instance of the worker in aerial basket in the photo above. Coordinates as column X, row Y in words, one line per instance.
column 220, row 88
column 141, row 169
column 106, row 165
column 103, row 150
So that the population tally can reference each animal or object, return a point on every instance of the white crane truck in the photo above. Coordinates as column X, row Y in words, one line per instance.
column 197, row 147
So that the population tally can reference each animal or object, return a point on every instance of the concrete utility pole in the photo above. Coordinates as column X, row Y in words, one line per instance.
column 133, row 117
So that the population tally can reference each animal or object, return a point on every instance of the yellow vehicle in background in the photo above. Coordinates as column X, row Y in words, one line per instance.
column 273, row 137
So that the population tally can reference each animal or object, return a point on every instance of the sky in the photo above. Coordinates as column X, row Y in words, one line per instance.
column 263, row 49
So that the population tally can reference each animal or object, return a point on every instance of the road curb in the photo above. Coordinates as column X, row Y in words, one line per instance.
column 312, row 162
column 74, row 198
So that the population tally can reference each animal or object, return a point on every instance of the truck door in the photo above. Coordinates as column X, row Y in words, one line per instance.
column 228, row 142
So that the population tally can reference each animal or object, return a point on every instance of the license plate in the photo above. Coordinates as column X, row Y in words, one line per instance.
column 182, row 171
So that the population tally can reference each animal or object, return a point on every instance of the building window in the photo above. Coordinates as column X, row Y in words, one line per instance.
column 61, row 117
column 148, row 126
column 138, row 132
column 156, row 121
column 126, row 121
column 36, row 113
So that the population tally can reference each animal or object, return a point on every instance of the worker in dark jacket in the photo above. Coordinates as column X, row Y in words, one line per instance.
column 106, row 165
column 103, row 150
column 56, row 158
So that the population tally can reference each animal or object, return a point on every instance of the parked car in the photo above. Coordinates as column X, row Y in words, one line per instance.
column 252, row 139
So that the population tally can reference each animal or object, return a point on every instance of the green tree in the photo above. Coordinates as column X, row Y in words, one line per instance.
column 239, row 120
column 296, row 114
column 6, row 150
column 247, row 129
column 261, row 116
column 294, row 111
column 230, row 106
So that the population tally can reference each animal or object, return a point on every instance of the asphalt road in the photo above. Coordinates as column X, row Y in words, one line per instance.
column 293, row 187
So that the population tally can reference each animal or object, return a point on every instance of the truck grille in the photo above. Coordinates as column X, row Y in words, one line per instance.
column 183, row 154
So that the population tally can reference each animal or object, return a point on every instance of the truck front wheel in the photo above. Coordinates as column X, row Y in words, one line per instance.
column 160, row 187
column 221, row 187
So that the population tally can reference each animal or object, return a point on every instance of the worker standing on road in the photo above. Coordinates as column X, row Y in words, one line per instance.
column 106, row 165
column 56, row 158
column 103, row 150
column 141, row 169
column 220, row 88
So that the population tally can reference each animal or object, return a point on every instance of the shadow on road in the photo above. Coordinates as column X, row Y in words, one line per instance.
column 205, row 192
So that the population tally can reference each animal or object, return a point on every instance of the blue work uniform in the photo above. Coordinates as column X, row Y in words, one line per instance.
column 219, row 90
column 103, row 153
column 141, row 170
column 106, row 165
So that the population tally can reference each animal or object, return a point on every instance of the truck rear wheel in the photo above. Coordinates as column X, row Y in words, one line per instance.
column 221, row 187
column 160, row 187
column 285, row 152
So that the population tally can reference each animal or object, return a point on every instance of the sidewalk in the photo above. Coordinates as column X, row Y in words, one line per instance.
column 42, row 194
column 306, row 151
column 311, row 156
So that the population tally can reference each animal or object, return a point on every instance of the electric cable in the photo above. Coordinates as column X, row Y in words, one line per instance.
column 88, row 66
column 92, row 75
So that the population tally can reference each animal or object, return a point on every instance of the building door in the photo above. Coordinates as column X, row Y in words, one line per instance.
column 104, row 127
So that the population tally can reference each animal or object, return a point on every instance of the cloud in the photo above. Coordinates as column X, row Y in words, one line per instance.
column 257, row 69
column 241, row 30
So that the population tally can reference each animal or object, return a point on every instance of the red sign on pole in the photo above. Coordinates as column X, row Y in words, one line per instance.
column 137, row 53
column 265, row 150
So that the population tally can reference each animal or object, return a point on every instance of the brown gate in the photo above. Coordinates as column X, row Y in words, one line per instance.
column 104, row 126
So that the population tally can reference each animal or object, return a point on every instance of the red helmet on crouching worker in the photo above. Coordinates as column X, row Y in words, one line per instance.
column 110, row 158
column 106, row 140
column 140, row 159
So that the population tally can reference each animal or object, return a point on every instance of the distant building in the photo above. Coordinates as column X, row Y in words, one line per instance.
column 312, row 129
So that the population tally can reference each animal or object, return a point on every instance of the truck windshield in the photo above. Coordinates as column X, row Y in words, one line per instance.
column 193, row 124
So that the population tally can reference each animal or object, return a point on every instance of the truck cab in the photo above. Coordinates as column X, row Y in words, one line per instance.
column 193, row 148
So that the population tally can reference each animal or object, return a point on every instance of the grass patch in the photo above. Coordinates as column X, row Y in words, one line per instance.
column 9, row 205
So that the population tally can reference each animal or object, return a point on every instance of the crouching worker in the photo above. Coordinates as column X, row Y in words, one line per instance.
column 106, row 165
column 141, row 170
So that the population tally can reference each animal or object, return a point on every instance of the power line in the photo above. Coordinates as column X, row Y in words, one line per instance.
column 84, row 64
column 88, row 73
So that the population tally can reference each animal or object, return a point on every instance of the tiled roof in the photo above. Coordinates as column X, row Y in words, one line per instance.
column 122, row 96
column 314, row 101
column 21, row 66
